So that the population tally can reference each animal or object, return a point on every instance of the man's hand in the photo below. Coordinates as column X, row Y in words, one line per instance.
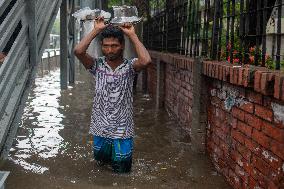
column 128, row 29
column 99, row 24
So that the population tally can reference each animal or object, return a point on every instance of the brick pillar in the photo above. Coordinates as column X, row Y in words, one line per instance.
column 160, row 83
column 199, row 115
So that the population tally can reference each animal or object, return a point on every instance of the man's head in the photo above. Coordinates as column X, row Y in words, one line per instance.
column 112, row 42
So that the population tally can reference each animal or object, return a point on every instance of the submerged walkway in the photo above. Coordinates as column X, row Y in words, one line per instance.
column 53, row 149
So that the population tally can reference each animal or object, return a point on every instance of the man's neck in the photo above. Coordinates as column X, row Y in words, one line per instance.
column 115, row 63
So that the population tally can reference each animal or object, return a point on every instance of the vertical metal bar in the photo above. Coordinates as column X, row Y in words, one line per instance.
column 220, row 30
column 263, row 59
column 228, row 44
column 72, row 41
column 197, row 35
column 31, row 14
column 204, row 29
column 232, row 31
column 247, row 17
column 207, row 28
column 279, row 4
column 242, row 31
column 192, row 27
column 189, row 27
column 258, row 21
column 63, row 45
column 215, row 30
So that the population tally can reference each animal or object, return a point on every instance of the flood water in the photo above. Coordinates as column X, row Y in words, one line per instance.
column 53, row 149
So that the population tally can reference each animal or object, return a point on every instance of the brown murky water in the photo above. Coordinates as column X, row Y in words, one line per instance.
column 53, row 149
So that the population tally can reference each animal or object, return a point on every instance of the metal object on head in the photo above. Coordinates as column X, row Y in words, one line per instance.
column 125, row 14
column 87, row 14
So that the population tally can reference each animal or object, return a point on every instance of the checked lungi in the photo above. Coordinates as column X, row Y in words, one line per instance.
column 117, row 152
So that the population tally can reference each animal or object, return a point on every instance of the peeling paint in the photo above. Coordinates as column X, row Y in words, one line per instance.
column 213, row 92
column 233, row 98
column 268, row 156
column 240, row 163
column 278, row 111
column 237, row 179
column 229, row 102
column 222, row 95
column 241, row 173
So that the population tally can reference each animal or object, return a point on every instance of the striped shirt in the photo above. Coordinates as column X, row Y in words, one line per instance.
column 112, row 114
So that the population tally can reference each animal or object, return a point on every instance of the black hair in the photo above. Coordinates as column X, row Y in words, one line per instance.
column 113, row 31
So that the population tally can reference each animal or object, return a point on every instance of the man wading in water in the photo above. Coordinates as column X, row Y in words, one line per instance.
column 112, row 115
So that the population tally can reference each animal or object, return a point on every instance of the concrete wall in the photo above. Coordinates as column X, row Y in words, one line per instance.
column 235, row 114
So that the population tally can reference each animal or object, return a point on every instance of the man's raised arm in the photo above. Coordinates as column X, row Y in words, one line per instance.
column 143, row 55
column 80, row 49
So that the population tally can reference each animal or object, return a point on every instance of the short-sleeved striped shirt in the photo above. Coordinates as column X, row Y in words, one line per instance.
column 112, row 114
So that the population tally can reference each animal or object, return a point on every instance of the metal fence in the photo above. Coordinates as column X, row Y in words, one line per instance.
column 239, row 31
column 24, row 29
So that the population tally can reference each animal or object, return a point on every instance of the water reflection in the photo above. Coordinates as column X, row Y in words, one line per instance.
column 41, row 123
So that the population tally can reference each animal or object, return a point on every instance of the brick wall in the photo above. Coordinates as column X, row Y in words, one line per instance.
column 245, row 130
column 152, row 78
column 245, row 117
column 177, row 85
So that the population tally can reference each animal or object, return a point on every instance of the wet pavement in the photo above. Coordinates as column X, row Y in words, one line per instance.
column 53, row 149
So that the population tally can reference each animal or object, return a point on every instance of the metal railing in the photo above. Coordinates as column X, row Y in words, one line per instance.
column 239, row 31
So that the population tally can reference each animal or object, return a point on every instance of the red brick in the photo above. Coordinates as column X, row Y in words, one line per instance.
column 238, row 113
column 224, row 147
column 277, row 85
column 264, row 113
column 252, row 183
column 244, row 151
column 267, row 81
column 272, row 185
column 220, row 114
column 252, row 146
column 267, row 102
column 226, row 128
column 238, row 136
column 257, row 80
column 228, row 76
column 219, row 132
column 220, row 70
column 277, row 148
column 241, row 75
column 254, row 97
column 244, row 128
column 247, row 77
column 234, row 179
column 272, row 131
column 231, row 75
column 261, row 165
column 274, row 161
column 215, row 139
column 205, row 66
column 260, row 138
column 253, row 121
column 247, row 106
column 236, row 75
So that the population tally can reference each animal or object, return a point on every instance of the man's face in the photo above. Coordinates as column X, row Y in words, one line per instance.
column 112, row 49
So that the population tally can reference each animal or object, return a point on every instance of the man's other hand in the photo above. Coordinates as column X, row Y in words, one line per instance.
column 128, row 29
column 99, row 24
